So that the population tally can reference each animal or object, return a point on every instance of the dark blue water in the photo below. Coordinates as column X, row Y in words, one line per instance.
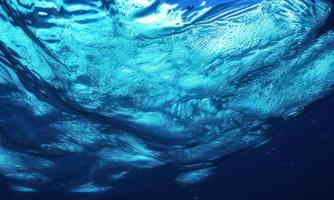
column 151, row 99
column 298, row 165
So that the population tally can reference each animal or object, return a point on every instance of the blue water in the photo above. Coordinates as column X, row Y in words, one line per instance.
column 169, row 99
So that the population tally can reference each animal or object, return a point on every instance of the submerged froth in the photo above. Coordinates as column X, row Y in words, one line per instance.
column 112, row 86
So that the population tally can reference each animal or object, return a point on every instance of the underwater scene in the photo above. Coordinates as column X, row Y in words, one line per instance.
column 167, row 99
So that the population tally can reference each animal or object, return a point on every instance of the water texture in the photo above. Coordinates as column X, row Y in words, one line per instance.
column 91, row 90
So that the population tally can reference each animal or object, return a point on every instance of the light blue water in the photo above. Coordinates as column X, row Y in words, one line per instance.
column 90, row 90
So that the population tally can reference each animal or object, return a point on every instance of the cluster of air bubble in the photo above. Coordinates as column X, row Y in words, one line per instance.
column 110, row 86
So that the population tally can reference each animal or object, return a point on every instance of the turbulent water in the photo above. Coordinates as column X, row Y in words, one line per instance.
column 92, row 89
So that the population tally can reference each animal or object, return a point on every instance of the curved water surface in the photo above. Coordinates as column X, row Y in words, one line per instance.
column 111, row 86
